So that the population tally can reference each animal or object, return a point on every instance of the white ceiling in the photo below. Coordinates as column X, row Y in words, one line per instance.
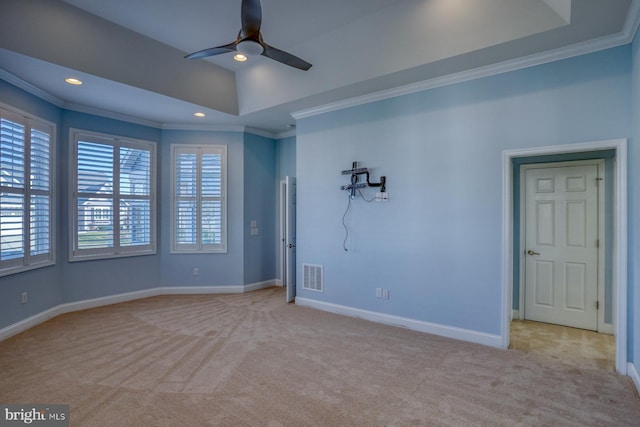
column 129, row 53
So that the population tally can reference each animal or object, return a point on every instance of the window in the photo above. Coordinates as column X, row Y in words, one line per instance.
column 26, row 192
column 199, row 217
column 113, row 196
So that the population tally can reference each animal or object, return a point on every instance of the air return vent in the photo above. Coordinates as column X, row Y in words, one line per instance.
column 313, row 277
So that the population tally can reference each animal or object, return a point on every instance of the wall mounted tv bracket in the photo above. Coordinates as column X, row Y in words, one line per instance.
column 355, row 173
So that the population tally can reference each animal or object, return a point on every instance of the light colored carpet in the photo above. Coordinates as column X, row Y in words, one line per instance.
column 253, row 360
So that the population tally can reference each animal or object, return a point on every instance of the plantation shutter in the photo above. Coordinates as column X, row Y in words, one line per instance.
column 135, row 192
column 26, row 195
column 95, row 195
column 114, row 202
column 211, row 199
column 40, row 173
column 12, row 196
column 199, row 197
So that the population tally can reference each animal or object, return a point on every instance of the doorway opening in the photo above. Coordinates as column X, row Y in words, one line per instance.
column 564, row 221
column 615, row 151
column 288, row 236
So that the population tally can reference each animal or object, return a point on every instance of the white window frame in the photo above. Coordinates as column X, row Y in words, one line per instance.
column 116, row 251
column 27, row 261
column 198, row 247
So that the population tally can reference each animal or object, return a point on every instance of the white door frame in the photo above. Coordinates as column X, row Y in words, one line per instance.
column 602, row 326
column 287, row 237
column 619, row 235
column 283, row 231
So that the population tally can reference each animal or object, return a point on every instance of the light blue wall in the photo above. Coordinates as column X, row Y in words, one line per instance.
column 436, row 245
column 215, row 269
column 17, row 98
column 259, row 206
column 634, row 214
column 99, row 278
column 285, row 166
column 68, row 282
column 44, row 286
column 285, row 158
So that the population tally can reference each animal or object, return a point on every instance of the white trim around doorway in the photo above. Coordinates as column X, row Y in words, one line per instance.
column 620, row 235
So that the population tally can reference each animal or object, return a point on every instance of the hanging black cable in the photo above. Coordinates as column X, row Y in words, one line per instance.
column 344, row 224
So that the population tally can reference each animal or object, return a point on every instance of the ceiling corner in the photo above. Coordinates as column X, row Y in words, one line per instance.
column 562, row 8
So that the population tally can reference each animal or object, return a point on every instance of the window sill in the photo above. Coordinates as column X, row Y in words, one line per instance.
column 91, row 257
column 24, row 268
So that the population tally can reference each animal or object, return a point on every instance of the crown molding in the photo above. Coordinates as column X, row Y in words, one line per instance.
column 110, row 114
column 28, row 87
column 624, row 37
column 633, row 21
column 261, row 132
column 219, row 128
column 203, row 127
column 60, row 103
column 286, row 134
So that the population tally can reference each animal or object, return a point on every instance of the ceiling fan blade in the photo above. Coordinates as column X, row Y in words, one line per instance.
column 212, row 51
column 251, row 13
column 284, row 57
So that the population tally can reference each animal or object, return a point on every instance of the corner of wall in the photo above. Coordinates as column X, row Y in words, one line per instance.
column 632, row 371
column 259, row 221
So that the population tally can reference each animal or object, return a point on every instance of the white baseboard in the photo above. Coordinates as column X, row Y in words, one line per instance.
column 260, row 285
column 515, row 315
column 606, row 328
column 416, row 325
column 108, row 300
column 635, row 376
column 28, row 323
column 205, row 290
column 201, row 290
column 43, row 316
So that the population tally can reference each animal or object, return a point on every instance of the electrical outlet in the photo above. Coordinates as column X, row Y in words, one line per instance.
column 255, row 231
column 196, row 272
column 385, row 293
column 378, row 292
column 24, row 297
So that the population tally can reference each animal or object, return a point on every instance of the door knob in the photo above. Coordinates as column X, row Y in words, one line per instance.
column 291, row 245
column 530, row 252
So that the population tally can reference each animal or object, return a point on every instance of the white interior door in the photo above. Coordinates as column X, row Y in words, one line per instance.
column 561, row 245
column 289, row 270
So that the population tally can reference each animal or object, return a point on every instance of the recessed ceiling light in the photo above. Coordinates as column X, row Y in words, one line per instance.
column 73, row 81
column 240, row 57
column 199, row 114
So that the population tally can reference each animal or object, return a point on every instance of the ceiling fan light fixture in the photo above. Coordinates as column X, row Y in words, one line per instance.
column 240, row 57
column 249, row 47
column 249, row 41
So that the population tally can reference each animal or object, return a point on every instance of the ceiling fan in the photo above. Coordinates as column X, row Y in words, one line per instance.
column 249, row 40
